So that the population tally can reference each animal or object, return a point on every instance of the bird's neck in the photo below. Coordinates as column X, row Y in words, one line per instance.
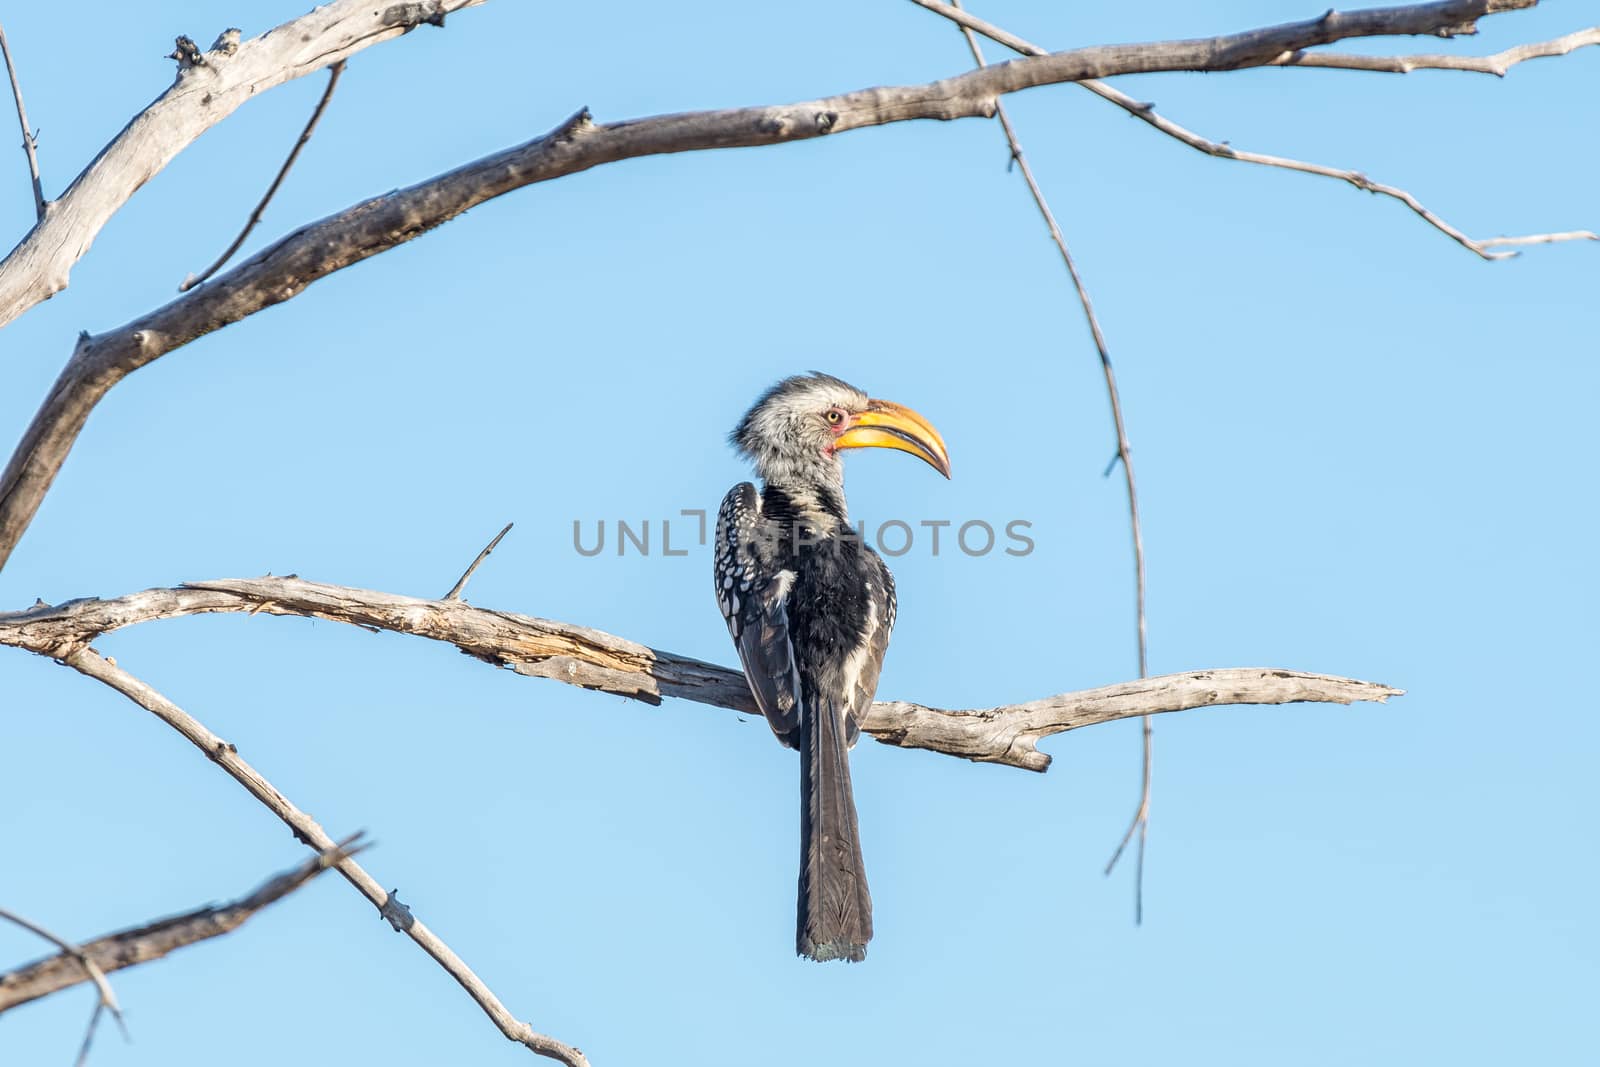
column 815, row 506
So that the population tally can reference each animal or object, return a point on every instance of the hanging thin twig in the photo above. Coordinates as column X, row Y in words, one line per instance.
column 294, row 153
column 29, row 145
column 1141, row 816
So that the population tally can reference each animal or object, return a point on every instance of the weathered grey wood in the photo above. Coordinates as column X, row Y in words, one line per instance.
column 208, row 89
column 596, row 660
column 284, row 269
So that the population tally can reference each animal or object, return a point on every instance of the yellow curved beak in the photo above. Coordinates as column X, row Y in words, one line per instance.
column 888, row 425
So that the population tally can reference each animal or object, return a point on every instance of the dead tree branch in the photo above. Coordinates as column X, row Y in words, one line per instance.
column 29, row 145
column 334, row 73
column 209, row 89
column 284, row 269
column 1146, row 113
column 87, row 661
column 210, row 86
column 152, row 941
column 592, row 659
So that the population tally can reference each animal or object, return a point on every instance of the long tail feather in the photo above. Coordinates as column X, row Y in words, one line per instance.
column 835, row 909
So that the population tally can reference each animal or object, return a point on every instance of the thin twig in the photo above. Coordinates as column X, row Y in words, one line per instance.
column 107, row 1000
column 294, row 153
column 1141, row 818
column 1141, row 823
column 155, row 940
column 1145, row 112
column 87, row 661
column 29, row 145
column 88, row 1034
column 1497, row 64
column 1542, row 238
column 461, row 583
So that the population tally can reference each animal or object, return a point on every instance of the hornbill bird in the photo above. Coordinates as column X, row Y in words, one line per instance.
column 810, row 607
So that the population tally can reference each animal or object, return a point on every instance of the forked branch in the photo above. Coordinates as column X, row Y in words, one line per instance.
column 210, row 86
column 1145, row 112
column 1498, row 64
column 284, row 269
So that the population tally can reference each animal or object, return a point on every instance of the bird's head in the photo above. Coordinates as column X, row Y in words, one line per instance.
column 796, row 431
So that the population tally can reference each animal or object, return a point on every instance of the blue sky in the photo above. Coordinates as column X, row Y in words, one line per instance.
column 1362, row 451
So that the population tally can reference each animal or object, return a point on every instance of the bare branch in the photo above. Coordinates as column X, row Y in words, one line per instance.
column 334, row 72
column 1497, row 64
column 592, row 659
column 283, row 270
column 152, row 941
column 1145, row 112
column 1141, row 817
column 208, row 91
column 209, row 87
column 461, row 583
column 29, row 145
column 87, row 661
column 84, row 968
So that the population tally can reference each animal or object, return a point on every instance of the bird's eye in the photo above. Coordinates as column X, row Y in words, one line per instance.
column 834, row 416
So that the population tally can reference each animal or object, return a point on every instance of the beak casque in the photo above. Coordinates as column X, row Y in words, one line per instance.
column 886, row 424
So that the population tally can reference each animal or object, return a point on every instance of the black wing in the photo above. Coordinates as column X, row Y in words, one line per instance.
column 753, row 595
